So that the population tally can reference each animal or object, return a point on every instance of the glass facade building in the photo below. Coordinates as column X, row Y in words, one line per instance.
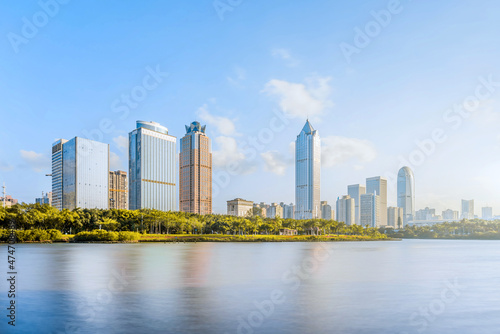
column 307, row 173
column 378, row 186
column 406, row 193
column 355, row 191
column 152, row 168
column 85, row 171
column 370, row 210
column 57, row 174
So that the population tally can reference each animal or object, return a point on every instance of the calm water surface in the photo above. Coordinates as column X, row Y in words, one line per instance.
column 412, row 286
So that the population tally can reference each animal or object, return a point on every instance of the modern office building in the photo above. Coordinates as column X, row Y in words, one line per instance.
column 195, row 171
column 288, row 210
column 239, row 207
column 450, row 215
column 45, row 199
column 118, row 190
column 57, row 175
column 355, row 191
column 85, row 173
column 275, row 210
column 378, row 186
column 345, row 210
column 369, row 210
column 152, row 168
column 326, row 211
column 467, row 209
column 307, row 173
column 487, row 212
column 395, row 217
column 406, row 193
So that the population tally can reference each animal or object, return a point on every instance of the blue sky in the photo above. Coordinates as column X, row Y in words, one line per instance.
column 235, row 68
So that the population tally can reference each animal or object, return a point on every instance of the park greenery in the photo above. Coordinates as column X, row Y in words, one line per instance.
column 35, row 222
column 83, row 223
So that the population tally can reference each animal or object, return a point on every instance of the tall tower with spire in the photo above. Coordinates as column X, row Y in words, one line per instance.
column 307, row 173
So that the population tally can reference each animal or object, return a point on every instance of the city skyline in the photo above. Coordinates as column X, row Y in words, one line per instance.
column 362, row 108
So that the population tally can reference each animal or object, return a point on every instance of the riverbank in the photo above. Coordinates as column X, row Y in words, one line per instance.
column 101, row 236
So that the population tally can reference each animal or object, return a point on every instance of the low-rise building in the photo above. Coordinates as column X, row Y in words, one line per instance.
column 239, row 207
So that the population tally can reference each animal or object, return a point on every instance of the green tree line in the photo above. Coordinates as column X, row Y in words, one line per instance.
column 45, row 217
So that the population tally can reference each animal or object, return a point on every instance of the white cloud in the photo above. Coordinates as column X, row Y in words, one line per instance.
column 338, row 150
column 223, row 125
column 121, row 142
column 301, row 100
column 115, row 162
column 229, row 156
column 285, row 55
column 239, row 75
column 35, row 161
column 5, row 167
column 275, row 162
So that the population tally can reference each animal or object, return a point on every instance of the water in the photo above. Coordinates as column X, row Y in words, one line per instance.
column 412, row 286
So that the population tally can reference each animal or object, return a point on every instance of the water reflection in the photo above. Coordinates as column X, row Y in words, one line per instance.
column 368, row 287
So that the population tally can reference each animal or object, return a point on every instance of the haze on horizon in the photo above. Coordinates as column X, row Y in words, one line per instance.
column 380, row 80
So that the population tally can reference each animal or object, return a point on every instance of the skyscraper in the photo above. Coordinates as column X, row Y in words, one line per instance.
column 355, row 191
column 118, row 190
column 152, row 168
column 467, row 209
column 395, row 217
column 307, row 173
column 57, row 167
column 85, row 172
column 406, row 193
column 378, row 186
column 195, row 168
column 369, row 210
column 346, row 210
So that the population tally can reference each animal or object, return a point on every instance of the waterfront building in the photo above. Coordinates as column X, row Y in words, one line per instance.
column 152, row 168
column 487, row 212
column 369, row 210
column 355, row 191
column 326, row 210
column 450, row 215
column 426, row 214
column 275, row 210
column 378, row 186
column 118, row 190
column 239, row 207
column 195, row 171
column 395, row 217
column 346, row 210
column 467, row 209
column 288, row 210
column 307, row 173
column 406, row 193
column 84, row 166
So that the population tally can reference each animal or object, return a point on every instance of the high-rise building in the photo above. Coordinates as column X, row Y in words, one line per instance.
column 45, row 199
column 355, row 191
column 152, row 168
column 450, row 215
column 378, row 186
column 467, row 209
column 288, row 210
column 326, row 210
column 239, row 207
column 345, row 210
column 195, row 168
column 85, row 173
column 395, row 217
column 406, row 193
column 118, row 190
column 307, row 173
column 487, row 212
column 57, row 175
column 369, row 210
column 260, row 209
column 275, row 210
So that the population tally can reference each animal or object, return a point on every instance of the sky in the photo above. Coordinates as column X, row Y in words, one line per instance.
column 385, row 83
